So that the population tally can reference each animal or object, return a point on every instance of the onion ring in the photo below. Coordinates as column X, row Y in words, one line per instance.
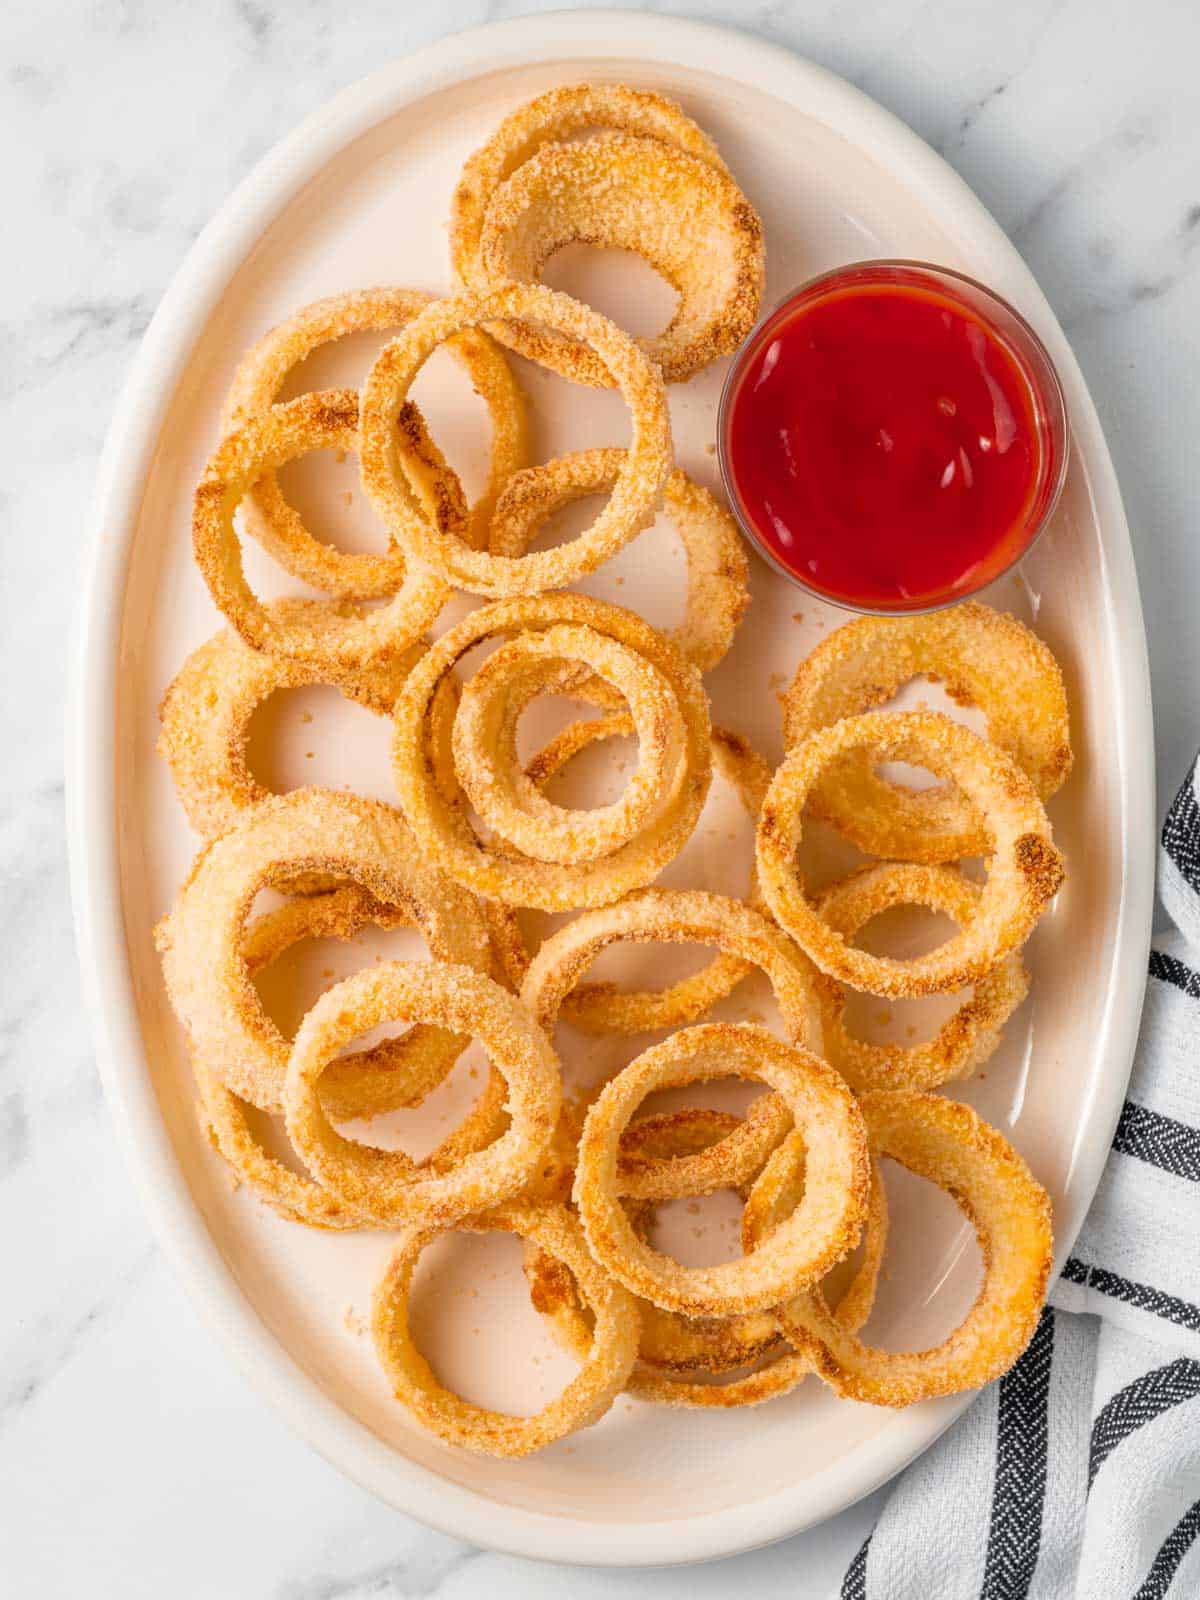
column 201, row 941
column 338, row 914
column 299, row 1199
column 715, row 1346
column 983, row 658
column 777, row 1191
column 484, row 744
column 206, row 710
column 778, row 1375
column 821, row 1230
column 686, row 218
column 968, row 1037
column 950, row 1145
column 359, row 637
column 388, row 1183
column 1025, row 870
column 440, row 824
column 780, row 1185
column 668, row 1341
column 396, row 1072
column 717, row 567
column 697, row 1159
column 608, row 1360
column 674, row 916
column 390, row 457
column 259, row 380
column 550, row 118
column 687, row 917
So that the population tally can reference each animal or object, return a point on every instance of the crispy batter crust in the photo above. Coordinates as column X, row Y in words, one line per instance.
column 982, row 658
column 558, row 115
column 504, row 874
column 969, row 1036
column 677, row 916
column 950, row 1145
column 669, row 1343
column 388, row 1184
column 415, row 1063
column 206, row 710
column 697, row 1352
column 685, row 217
column 600, row 1008
column 201, row 941
column 607, row 1361
column 485, row 745
column 396, row 478
column 717, row 566
column 358, row 637
column 823, row 1227
column 259, row 380
column 1025, row 870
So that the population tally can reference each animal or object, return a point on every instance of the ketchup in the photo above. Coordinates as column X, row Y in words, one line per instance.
column 886, row 444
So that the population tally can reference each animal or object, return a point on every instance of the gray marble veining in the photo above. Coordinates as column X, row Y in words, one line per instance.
column 126, row 124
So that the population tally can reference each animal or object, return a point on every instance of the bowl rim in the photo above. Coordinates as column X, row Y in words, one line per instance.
column 1048, row 391
column 93, row 752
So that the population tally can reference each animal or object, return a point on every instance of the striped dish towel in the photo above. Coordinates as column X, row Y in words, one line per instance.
column 1077, row 1476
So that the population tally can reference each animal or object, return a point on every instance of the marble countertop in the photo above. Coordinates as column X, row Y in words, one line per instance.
column 1076, row 121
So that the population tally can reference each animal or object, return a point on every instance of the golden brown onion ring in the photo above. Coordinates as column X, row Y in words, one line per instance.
column 676, row 1353
column 396, row 1072
column 685, row 217
column 259, row 381
column 728, row 1158
column 950, row 1145
column 779, row 1186
column 607, row 1361
column 206, row 710
column 778, row 1374
column 782, row 1183
column 201, row 941
column 967, row 1037
column 388, row 1183
column 676, row 916
column 822, row 1229
column 359, row 637
column 717, row 568
column 1024, row 870
column 485, row 745
column 982, row 658
column 440, row 824
column 670, row 1342
column 560, row 114
column 394, row 459
column 337, row 914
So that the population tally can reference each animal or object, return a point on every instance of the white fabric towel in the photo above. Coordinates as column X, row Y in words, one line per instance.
column 1077, row 1476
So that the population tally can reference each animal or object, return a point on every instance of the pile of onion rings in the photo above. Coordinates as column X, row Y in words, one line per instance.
column 578, row 1174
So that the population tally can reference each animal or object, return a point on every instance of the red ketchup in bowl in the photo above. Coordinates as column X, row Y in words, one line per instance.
column 893, row 437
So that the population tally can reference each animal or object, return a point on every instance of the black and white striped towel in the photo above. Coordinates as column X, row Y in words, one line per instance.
column 1077, row 1476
